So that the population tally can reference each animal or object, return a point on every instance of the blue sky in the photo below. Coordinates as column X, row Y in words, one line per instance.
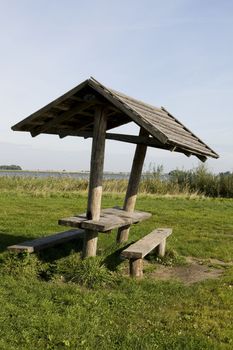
column 177, row 54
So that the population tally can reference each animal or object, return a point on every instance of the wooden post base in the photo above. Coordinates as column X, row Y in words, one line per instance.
column 136, row 267
column 123, row 234
column 161, row 248
column 90, row 243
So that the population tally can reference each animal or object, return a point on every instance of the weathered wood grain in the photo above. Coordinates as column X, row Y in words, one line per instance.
column 161, row 248
column 145, row 245
column 133, row 185
column 165, row 129
column 128, row 111
column 46, row 242
column 136, row 268
column 61, row 118
column 95, row 181
column 110, row 218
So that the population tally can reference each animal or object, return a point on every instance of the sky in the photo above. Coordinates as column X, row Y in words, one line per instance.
column 177, row 54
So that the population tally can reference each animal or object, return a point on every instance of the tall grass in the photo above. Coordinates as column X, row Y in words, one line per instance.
column 202, row 181
column 199, row 181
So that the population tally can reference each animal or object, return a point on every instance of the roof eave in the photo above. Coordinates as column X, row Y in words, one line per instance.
column 60, row 99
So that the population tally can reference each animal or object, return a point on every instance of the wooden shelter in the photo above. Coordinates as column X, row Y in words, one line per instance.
column 90, row 110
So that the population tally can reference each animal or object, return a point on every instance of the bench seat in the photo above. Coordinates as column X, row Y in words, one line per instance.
column 138, row 250
column 46, row 242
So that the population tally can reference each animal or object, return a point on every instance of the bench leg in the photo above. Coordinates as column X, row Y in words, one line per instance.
column 90, row 243
column 136, row 267
column 162, row 248
column 123, row 234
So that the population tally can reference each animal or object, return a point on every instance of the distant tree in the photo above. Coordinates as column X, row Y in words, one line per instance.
column 226, row 173
column 10, row 167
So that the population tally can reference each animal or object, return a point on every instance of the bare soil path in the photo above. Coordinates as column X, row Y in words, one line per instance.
column 196, row 270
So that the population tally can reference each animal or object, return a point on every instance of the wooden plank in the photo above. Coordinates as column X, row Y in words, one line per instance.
column 46, row 242
column 153, row 119
column 46, row 108
column 142, row 109
column 61, row 118
column 110, row 222
column 145, row 245
column 185, row 139
column 110, row 218
column 133, row 185
column 198, row 138
column 96, row 179
column 127, row 110
column 134, row 102
column 165, row 120
column 75, row 98
column 73, row 221
column 179, row 136
column 62, row 107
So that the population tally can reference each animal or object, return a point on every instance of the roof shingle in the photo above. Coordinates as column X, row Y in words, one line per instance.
column 72, row 114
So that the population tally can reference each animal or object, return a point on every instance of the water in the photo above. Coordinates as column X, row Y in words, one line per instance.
column 61, row 174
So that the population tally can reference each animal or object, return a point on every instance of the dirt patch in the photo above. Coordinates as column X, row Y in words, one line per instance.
column 195, row 271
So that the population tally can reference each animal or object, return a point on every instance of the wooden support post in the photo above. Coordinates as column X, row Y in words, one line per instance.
column 133, row 185
column 96, row 178
column 136, row 267
column 161, row 248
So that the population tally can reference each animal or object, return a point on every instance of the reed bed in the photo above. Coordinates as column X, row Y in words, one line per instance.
column 199, row 181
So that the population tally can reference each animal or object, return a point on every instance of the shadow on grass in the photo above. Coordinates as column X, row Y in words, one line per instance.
column 46, row 255
column 113, row 260
column 9, row 239
column 60, row 251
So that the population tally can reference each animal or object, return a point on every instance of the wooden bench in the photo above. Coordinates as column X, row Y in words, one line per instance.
column 46, row 242
column 138, row 250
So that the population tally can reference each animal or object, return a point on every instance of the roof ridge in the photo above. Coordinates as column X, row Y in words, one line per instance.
column 161, row 137
column 161, row 124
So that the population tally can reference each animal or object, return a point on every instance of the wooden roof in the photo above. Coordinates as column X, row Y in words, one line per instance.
column 73, row 114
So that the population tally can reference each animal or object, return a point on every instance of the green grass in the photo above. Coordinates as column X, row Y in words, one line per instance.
column 56, row 301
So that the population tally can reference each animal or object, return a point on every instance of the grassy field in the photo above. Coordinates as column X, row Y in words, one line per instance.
column 56, row 301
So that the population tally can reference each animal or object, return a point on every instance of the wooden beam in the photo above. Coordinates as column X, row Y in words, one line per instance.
column 133, row 185
column 75, row 98
column 202, row 158
column 61, row 118
column 96, row 178
column 144, row 140
column 140, row 140
column 67, row 95
column 88, row 114
column 62, row 107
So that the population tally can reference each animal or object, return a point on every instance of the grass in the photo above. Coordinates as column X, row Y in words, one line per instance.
column 56, row 301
